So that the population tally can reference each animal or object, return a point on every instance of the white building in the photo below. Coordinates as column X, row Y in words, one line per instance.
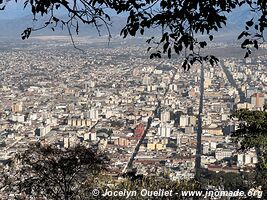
column 184, row 119
column 93, row 114
column 164, row 130
column 223, row 153
column 248, row 158
column 165, row 116
column 90, row 136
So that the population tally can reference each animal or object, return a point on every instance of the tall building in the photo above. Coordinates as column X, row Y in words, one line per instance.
column 93, row 114
column 17, row 107
column 257, row 100
column 247, row 158
column 66, row 142
column 146, row 80
column 164, row 131
column 79, row 122
column 192, row 120
column 165, row 116
column 91, row 136
column 69, row 141
column 173, row 87
column 122, row 141
column 223, row 153
column 184, row 120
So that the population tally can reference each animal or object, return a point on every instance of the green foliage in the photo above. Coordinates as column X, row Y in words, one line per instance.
column 252, row 128
column 182, row 20
column 48, row 172
column 228, row 181
column 252, row 132
column 54, row 173
column 243, row 181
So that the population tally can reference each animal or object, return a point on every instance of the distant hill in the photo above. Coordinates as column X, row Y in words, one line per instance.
column 14, row 19
column 14, row 27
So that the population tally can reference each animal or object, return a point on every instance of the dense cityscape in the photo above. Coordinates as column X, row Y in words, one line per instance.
column 145, row 114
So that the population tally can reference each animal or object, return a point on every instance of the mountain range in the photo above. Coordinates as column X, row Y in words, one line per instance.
column 14, row 19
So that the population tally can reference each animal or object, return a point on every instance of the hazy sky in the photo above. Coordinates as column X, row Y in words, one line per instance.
column 15, row 10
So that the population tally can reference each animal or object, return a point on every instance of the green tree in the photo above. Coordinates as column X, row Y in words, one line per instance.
column 52, row 173
column 181, row 21
column 252, row 133
column 228, row 181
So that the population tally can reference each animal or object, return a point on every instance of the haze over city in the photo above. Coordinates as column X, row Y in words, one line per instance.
column 150, row 117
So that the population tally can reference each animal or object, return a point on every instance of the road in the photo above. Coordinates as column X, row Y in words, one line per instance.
column 137, row 147
column 200, row 112
column 233, row 82
column 150, row 119
column 200, row 115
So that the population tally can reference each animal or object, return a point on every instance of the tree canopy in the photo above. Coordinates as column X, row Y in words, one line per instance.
column 53, row 173
column 180, row 21
column 252, row 132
